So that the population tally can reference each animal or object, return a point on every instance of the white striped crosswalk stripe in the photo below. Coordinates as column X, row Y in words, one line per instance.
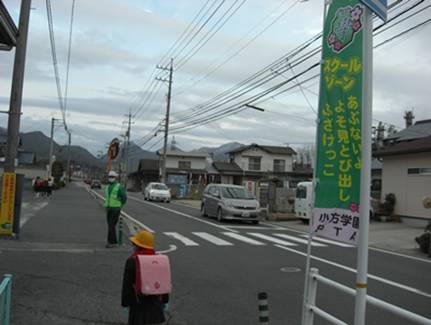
column 186, row 241
column 327, row 241
column 272, row 239
column 243, row 238
column 299, row 240
column 213, row 239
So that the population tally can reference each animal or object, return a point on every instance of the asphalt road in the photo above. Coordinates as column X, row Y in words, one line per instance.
column 219, row 268
column 63, row 275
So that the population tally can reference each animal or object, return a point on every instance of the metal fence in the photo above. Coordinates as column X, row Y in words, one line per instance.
column 5, row 299
column 311, row 309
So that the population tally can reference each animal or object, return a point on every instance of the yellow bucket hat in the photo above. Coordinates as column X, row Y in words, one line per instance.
column 144, row 239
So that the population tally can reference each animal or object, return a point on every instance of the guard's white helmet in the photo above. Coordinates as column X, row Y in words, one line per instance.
column 112, row 174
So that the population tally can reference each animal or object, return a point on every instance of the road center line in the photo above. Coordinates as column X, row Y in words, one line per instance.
column 371, row 276
column 183, row 214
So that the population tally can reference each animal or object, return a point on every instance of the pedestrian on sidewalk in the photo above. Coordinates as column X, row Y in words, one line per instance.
column 143, row 309
column 115, row 198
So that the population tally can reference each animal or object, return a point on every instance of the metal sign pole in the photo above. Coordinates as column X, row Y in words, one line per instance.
column 362, row 259
column 304, row 319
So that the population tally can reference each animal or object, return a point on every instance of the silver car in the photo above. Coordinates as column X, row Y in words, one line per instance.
column 157, row 192
column 226, row 201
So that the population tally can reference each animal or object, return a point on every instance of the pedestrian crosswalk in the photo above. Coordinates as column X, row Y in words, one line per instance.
column 251, row 238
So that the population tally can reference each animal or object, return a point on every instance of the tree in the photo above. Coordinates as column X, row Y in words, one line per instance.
column 57, row 171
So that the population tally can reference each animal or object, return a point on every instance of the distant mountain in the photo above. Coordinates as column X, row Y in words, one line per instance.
column 39, row 143
column 220, row 153
column 78, row 155
column 136, row 153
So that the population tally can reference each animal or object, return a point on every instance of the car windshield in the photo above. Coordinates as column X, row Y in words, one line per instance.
column 236, row 193
column 159, row 187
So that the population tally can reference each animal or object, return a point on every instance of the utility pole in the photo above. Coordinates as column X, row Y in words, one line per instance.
column 68, row 174
column 126, row 147
column 168, row 108
column 17, row 86
column 51, row 145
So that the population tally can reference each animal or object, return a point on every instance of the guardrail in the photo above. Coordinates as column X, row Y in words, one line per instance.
column 5, row 299
column 311, row 308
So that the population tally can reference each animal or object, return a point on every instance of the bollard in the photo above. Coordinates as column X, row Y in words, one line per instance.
column 263, row 308
column 120, row 231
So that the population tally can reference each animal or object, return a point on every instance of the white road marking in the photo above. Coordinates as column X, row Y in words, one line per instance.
column 213, row 239
column 371, row 276
column 420, row 259
column 27, row 216
column 140, row 224
column 170, row 249
column 272, row 239
column 186, row 241
column 299, row 240
column 182, row 214
column 243, row 238
column 328, row 241
column 254, row 227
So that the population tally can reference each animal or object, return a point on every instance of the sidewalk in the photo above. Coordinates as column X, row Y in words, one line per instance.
column 393, row 236
column 62, row 273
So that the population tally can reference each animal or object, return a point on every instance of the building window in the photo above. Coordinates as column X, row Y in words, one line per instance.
column 185, row 164
column 254, row 163
column 419, row 171
column 279, row 165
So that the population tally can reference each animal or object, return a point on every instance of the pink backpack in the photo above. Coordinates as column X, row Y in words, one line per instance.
column 153, row 274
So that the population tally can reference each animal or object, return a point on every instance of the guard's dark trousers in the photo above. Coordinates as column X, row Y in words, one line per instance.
column 112, row 218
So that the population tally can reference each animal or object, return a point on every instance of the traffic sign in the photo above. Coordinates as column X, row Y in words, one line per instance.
column 379, row 7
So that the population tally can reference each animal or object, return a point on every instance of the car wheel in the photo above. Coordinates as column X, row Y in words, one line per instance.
column 219, row 215
column 203, row 211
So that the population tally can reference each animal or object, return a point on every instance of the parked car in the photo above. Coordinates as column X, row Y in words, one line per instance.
column 304, row 202
column 226, row 201
column 95, row 183
column 157, row 192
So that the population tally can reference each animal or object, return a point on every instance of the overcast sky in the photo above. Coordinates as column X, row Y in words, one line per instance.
column 117, row 44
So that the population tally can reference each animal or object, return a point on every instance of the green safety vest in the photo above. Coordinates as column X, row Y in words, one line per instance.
column 112, row 200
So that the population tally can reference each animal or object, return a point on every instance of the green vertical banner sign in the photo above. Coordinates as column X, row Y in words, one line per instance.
column 338, row 164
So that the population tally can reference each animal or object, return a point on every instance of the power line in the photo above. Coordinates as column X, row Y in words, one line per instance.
column 246, row 44
column 69, row 51
column 204, row 40
column 54, row 58
column 226, row 112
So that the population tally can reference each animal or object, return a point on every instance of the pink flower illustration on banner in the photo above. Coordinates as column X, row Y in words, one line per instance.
column 357, row 13
column 354, row 207
column 356, row 25
column 332, row 38
column 337, row 46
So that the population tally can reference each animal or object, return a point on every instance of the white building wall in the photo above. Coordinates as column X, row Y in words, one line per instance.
column 409, row 190
column 267, row 160
column 196, row 162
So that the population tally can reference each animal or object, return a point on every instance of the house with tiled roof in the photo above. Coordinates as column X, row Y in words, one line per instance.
column 262, row 162
column 406, row 168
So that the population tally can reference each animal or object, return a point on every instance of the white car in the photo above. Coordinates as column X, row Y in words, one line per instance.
column 157, row 192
